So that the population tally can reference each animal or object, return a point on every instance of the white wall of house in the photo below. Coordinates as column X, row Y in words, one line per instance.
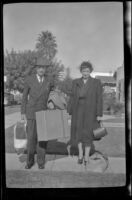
column 93, row 74
column 5, row 78
column 120, row 84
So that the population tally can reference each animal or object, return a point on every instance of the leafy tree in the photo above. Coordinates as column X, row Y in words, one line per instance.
column 16, row 67
column 46, row 46
column 19, row 64
column 66, row 84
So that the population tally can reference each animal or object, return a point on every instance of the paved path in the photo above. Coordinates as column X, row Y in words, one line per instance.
column 11, row 119
column 68, row 163
column 117, row 165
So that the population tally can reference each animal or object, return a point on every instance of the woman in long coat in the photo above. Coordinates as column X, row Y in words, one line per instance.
column 85, row 108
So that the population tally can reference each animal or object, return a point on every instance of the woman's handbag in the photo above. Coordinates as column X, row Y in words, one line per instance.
column 100, row 131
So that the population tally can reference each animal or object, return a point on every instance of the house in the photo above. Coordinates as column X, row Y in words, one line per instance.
column 11, row 97
column 8, row 98
column 119, row 77
column 108, row 82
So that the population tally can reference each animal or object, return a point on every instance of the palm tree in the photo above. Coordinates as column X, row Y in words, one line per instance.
column 46, row 46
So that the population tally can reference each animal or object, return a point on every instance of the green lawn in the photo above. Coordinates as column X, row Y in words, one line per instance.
column 112, row 145
column 115, row 120
column 16, row 108
column 12, row 109
column 24, row 179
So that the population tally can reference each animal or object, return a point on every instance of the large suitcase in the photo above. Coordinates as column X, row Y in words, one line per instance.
column 20, row 136
column 52, row 124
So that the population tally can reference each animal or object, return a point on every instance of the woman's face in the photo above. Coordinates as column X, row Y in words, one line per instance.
column 85, row 73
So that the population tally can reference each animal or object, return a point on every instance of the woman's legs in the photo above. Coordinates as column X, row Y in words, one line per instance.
column 80, row 156
column 80, row 149
column 87, row 153
column 87, row 149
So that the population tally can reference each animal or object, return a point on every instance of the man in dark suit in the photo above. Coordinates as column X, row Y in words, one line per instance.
column 35, row 96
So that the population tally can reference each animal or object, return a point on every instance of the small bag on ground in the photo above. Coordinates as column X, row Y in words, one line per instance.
column 98, row 162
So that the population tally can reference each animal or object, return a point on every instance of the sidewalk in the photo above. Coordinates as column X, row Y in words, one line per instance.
column 116, row 165
column 68, row 163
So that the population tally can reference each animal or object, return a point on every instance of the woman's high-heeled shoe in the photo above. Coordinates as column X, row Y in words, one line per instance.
column 86, row 162
column 80, row 160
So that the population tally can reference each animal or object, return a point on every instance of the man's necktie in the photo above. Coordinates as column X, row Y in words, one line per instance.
column 41, row 80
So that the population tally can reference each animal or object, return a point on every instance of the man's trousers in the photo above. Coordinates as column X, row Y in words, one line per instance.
column 33, row 145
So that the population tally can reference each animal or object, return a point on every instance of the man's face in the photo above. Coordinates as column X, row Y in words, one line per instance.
column 41, row 71
column 85, row 73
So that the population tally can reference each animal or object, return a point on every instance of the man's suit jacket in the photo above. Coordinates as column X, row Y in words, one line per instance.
column 35, row 96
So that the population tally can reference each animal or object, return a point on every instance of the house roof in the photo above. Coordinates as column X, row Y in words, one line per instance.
column 106, row 79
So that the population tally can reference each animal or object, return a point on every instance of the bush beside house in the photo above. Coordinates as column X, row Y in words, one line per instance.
column 111, row 105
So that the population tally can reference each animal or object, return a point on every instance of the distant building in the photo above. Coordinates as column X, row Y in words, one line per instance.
column 76, row 74
column 119, row 76
column 11, row 96
column 8, row 98
column 5, row 78
column 94, row 74
column 108, row 82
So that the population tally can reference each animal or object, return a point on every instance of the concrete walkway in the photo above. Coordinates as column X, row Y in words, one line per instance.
column 116, row 165
column 68, row 163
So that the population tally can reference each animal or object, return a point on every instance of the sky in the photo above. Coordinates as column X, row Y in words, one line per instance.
column 83, row 31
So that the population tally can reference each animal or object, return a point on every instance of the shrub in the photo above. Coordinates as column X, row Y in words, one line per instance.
column 118, row 107
column 111, row 105
column 108, row 101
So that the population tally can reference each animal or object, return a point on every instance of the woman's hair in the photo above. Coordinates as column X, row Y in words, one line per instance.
column 86, row 64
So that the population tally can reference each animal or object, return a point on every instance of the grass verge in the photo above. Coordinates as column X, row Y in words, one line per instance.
column 112, row 145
